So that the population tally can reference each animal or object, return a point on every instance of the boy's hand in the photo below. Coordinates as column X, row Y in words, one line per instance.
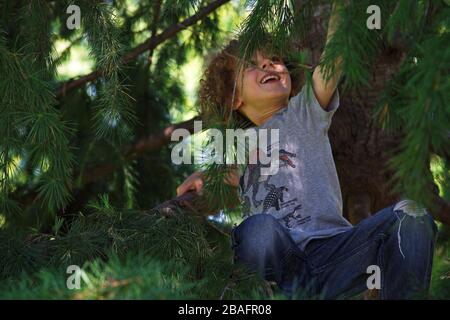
column 193, row 183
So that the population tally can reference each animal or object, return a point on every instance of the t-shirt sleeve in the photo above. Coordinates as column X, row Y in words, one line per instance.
column 306, row 110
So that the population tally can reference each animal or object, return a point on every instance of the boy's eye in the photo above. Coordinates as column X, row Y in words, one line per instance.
column 276, row 59
column 249, row 65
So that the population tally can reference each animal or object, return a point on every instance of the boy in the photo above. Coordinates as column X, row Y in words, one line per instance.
column 294, row 232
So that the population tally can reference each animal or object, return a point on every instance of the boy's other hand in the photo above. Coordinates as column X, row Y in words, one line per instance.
column 193, row 183
column 196, row 180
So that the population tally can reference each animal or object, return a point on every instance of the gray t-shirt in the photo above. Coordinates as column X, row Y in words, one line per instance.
column 304, row 195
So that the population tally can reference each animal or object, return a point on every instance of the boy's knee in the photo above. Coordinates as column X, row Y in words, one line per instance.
column 412, row 210
column 257, row 224
column 257, row 230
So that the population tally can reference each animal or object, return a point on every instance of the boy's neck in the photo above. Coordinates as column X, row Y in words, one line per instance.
column 259, row 117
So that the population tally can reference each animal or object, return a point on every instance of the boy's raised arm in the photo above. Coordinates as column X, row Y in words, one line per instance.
column 324, row 90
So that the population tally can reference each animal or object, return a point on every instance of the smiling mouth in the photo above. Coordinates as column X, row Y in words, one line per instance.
column 270, row 77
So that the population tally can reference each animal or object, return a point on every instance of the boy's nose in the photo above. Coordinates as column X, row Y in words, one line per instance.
column 266, row 63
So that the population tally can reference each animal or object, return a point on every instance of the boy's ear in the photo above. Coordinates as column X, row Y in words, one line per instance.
column 237, row 103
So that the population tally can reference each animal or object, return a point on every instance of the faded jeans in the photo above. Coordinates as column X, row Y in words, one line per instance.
column 398, row 239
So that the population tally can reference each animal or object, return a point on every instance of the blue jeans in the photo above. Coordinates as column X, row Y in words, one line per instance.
column 396, row 240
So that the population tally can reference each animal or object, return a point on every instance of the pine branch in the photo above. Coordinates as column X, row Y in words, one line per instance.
column 149, row 44
column 157, row 13
column 415, row 102
column 440, row 209
column 147, row 144
column 151, row 143
column 28, row 105
column 104, row 230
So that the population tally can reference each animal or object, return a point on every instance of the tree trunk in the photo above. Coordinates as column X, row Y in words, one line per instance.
column 360, row 148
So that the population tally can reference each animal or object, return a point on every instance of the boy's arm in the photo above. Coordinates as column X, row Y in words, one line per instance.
column 324, row 90
column 196, row 180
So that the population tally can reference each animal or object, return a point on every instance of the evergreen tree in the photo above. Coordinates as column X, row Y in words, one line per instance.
column 85, row 162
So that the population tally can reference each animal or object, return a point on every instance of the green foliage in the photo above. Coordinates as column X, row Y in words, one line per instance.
column 272, row 20
column 48, row 145
column 415, row 101
column 35, row 17
column 354, row 43
column 113, row 115
column 125, row 254
column 440, row 280
column 133, row 277
column 31, row 128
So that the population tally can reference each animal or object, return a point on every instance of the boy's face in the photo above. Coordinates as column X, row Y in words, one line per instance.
column 264, row 86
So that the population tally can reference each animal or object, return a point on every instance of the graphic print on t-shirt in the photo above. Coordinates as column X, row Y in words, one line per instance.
column 273, row 198
column 294, row 219
column 253, row 171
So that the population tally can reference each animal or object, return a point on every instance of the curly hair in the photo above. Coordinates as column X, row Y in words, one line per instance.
column 218, row 85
